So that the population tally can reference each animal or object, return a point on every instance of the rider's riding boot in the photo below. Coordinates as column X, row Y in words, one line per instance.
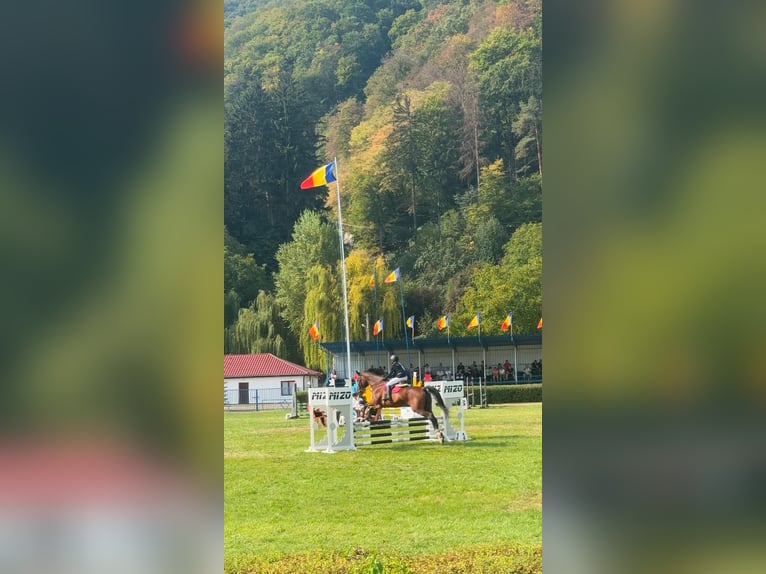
column 387, row 396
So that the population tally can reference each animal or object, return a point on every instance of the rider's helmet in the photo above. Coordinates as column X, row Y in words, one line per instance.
column 394, row 359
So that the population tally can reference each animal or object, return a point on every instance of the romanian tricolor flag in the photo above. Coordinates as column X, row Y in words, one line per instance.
column 393, row 277
column 474, row 322
column 377, row 327
column 507, row 322
column 540, row 323
column 443, row 322
column 314, row 330
column 411, row 321
column 322, row 176
column 372, row 280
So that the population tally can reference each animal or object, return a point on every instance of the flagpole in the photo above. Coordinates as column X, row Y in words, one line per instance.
column 515, row 364
column 343, row 267
column 375, row 293
column 404, row 319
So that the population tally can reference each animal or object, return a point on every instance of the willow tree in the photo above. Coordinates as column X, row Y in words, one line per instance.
column 360, row 267
column 391, row 311
column 257, row 329
column 322, row 305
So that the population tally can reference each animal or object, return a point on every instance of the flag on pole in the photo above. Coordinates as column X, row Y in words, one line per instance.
column 411, row 321
column 474, row 322
column 377, row 327
column 507, row 322
column 540, row 323
column 393, row 277
column 372, row 280
column 443, row 322
column 321, row 176
column 314, row 330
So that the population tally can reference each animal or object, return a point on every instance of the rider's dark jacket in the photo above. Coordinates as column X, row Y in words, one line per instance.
column 397, row 370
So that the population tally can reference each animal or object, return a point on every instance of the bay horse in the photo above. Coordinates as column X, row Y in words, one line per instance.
column 417, row 398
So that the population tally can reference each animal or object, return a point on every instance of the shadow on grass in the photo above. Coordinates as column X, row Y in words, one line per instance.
column 501, row 441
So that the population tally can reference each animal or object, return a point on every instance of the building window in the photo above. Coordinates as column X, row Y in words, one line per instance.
column 287, row 388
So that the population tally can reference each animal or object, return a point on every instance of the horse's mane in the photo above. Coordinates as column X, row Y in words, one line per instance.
column 372, row 377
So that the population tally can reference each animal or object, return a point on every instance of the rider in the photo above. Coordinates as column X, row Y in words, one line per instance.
column 397, row 374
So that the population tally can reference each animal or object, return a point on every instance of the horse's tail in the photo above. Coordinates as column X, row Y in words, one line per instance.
column 439, row 401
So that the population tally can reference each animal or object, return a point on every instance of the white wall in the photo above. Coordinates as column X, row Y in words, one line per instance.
column 264, row 390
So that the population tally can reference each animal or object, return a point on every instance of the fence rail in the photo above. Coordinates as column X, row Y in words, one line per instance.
column 255, row 399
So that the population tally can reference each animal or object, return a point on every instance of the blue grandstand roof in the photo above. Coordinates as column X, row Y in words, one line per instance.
column 487, row 342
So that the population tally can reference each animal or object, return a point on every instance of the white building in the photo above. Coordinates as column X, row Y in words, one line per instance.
column 263, row 381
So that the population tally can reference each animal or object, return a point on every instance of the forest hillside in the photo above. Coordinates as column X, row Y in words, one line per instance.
column 434, row 113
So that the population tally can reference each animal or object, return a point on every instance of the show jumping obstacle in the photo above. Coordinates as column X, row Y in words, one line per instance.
column 403, row 426
column 453, row 394
column 337, row 404
column 382, row 432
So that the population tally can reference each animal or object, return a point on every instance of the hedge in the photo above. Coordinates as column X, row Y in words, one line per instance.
column 499, row 394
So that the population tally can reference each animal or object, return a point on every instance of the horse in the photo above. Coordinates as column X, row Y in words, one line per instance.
column 417, row 398
column 319, row 415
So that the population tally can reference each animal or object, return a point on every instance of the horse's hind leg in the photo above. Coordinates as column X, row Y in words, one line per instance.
column 432, row 419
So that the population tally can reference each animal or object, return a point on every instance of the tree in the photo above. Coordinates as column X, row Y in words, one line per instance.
column 528, row 127
column 360, row 266
column 508, row 65
column 513, row 203
column 242, row 275
column 514, row 285
column 231, row 305
column 402, row 153
column 269, row 147
column 258, row 329
column 339, row 126
column 321, row 304
column 243, row 278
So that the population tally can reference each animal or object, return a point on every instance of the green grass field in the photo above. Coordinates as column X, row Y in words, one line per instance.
column 402, row 500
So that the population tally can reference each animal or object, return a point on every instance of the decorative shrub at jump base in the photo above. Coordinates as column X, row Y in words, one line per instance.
column 480, row 560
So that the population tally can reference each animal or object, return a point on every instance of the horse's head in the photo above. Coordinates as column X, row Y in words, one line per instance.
column 363, row 382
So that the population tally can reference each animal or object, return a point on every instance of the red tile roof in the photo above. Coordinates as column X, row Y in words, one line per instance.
column 261, row 365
